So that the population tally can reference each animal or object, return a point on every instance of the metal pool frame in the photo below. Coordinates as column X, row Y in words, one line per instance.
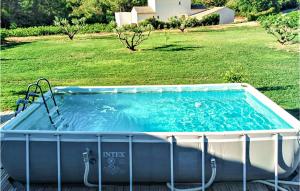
column 170, row 137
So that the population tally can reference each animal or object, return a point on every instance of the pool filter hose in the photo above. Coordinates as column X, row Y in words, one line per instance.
column 213, row 166
column 86, row 160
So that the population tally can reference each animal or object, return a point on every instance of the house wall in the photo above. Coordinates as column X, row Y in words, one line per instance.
column 168, row 8
column 141, row 17
column 123, row 18
column 138, row 17
column 226, row 16
column 152, row 4
column 134, row 17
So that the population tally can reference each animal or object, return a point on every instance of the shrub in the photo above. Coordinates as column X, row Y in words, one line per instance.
column 256, row 6
column 233, row 4
column 192, row 22
column 216, row 3
column 288, row 4
column 156, row 24
column 96, row 28
column 183, row 22
column 111, row 26
column 234, row 75
column 34, row 31
column 70, row 28
column 212, row 19
column 255, row 16
column 3, row 35
column 54, row 30
column 133, row 35
column 174, row 22
column 246, row 7
column 283, row 27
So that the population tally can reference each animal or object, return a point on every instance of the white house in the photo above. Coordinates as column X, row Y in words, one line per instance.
column 226, row 14
column 164, row 9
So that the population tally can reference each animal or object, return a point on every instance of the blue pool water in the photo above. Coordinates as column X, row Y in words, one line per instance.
column 194, row 111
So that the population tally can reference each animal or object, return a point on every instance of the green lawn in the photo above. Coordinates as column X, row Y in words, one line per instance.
column 195, row 57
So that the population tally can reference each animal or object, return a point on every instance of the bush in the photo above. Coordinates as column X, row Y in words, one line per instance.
column 288, row 4
column 212, row 19
column 215, row 3
column 283, row 27
column 33, row 31
column 183, row 22
column 54, row 30
column 192, row 22
column 233, row 4
column 255, row 6
column 174, row 22
column 234, row 75
column 246, row 7
column 133, row 35
column 3, row 35
column 255, row 16
column 156, row 24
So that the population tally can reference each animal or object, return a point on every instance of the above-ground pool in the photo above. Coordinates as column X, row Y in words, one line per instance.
column 152, row 134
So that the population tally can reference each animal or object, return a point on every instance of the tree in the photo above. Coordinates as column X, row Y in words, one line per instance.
column 25, row 13
column 70, row 28
column 133, row 35
column 255, row 6
column 284, row 27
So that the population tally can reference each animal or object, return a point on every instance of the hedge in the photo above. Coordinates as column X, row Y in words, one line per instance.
column 53, row 30
column 175, row 22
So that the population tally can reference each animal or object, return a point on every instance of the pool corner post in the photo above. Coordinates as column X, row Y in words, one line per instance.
column 130, row 162
column 244, row 139
column 276, row 139
column 99, row 139
column 58, row 153
column 27, row 161
column 171, row 161
column 202, row 142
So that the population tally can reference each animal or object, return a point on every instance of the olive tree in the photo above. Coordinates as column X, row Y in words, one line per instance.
column 70, row 28
column 133, row 35
column 284, row 27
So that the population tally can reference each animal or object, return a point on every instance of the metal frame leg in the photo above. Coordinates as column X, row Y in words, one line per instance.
column 130, row 163
column 27, row 163
column 99, row 164
column 276, row 137
column 202, row 140
column 172, row 162
column 58, row 162
column 244, row 162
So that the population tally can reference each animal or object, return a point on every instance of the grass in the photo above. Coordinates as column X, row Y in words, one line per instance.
column 199, row 56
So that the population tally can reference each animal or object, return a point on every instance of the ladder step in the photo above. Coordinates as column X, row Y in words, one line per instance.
column 33, row 94
column 58, row 120
column 53, row 111
column 22, row 101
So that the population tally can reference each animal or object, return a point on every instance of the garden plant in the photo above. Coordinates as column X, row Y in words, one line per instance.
column 284, row 27
column 133, row 35
column 70, row 28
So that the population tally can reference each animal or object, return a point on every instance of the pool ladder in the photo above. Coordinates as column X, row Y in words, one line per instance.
column 54, row 115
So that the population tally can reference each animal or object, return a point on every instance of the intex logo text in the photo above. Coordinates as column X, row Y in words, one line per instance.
column 114, row 154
